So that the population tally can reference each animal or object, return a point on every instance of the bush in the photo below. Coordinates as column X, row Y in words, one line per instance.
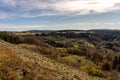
column 96, row 72
column 9, row 38
column 56, row 44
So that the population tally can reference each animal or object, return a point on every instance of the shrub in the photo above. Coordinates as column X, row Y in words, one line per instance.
column 9, row 38
column 96, row 72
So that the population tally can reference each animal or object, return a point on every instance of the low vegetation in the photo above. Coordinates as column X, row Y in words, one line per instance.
column 9, row 38
column 95, row 52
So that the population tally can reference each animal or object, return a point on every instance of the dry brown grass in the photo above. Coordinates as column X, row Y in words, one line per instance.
column 17, row 63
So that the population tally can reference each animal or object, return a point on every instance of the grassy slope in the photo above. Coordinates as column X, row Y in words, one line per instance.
column 17, row 63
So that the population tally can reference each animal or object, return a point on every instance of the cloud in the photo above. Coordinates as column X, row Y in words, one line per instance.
column 36, row 8
column 3, row 15
column 10, row 27
column 77, row 25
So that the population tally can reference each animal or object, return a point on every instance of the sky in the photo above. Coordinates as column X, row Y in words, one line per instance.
column 19, row 15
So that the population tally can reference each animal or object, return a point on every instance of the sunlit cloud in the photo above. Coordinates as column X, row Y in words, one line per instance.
column 36, row 8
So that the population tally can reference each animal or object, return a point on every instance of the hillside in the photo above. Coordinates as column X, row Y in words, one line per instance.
column 61, row 55
column 17, row 63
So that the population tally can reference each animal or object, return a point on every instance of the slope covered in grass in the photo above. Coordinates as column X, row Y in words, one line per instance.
column 17, row 63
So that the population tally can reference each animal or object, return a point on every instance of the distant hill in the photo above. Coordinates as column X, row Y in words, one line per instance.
column 93, row 30
column 39, row 31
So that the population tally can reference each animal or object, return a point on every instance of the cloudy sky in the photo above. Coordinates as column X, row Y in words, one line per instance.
column 59, row 14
